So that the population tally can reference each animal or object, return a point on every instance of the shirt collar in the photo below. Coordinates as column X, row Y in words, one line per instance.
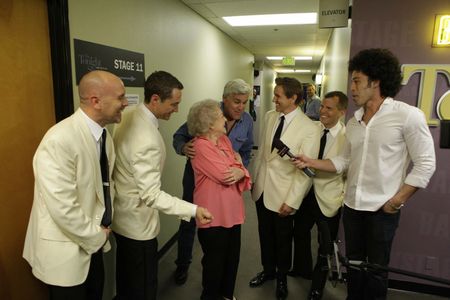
column 335, row 129
column 95, row 129
column 360, row 112
column 150, row 115
column 290, row 116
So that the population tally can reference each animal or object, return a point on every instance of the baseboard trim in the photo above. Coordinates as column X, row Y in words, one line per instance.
column 419, row 288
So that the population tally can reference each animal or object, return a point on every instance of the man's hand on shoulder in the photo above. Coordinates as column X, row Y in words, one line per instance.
column 188, row 149
column 203, row 215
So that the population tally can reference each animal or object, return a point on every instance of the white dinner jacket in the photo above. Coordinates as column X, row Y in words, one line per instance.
column 329, row 187
column 276, row 176
column 64, row 226
column 140, row 160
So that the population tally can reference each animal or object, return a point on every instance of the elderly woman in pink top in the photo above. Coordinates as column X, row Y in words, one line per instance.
column 220, row 179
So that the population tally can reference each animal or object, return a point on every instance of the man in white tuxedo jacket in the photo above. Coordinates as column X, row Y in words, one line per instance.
column 68, row 225
column 140, row 160
column 279, row 186
column 322, row 204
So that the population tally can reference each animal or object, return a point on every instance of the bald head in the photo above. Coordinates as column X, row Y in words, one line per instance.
column 95, row 84
column 102, row 97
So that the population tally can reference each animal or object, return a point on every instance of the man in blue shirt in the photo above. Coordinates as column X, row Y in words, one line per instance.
column 239, row 127
column 312, row 104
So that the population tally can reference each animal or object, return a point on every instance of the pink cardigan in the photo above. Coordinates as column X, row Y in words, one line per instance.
column 223, row 201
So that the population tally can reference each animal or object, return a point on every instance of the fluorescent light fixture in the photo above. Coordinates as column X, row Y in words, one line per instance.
column 441, row 35
column 296, row 57
column 273, row 19
column 292, row 71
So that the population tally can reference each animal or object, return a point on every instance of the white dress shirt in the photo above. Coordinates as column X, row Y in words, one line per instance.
column 379, row 153
column 287, row 120
column 331, row 136
column 95, row 129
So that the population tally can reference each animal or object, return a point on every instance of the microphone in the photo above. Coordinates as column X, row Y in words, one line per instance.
column 284, row 150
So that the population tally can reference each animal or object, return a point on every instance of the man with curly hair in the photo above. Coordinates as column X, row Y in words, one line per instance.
column 383, row 137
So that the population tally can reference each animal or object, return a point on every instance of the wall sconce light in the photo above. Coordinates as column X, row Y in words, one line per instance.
column 441, row 35
column 318, row 79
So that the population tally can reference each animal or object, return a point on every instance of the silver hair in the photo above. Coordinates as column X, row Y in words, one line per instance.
column 202, row 116
column 236, row 86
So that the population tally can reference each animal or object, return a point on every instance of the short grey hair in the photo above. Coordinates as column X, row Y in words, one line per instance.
column 202, row 116
column 236, row 86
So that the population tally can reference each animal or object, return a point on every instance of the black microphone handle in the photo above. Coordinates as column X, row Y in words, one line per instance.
column 307, row 171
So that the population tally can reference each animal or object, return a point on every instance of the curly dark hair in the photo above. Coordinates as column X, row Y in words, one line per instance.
column 379, row 64
column 291, row 87
column 160, row 83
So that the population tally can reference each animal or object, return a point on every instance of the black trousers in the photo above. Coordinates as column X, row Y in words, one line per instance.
column 275, row 237
column 136, row 269
column 221, row 251
column 309, row 214
column 186, row 231
column 91, row 289
column 368, row 237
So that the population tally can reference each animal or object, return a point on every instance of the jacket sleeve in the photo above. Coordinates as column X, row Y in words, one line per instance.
column 146, row 168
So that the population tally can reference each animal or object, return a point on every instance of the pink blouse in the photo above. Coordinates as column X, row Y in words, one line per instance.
column 210, row 164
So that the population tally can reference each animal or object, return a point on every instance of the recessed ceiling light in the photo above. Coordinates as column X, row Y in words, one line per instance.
column 292, row 71
column 296, row 57
column 273, row 19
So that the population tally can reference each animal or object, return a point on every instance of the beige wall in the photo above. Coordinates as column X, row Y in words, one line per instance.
column 175, row 39
column 334, row 63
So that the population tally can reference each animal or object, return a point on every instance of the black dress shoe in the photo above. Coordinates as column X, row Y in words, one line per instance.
column 282, row 290
column 315, row 295
column 260, row 278
column 181, row 275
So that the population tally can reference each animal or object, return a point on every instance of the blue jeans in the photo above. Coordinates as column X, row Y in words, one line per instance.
column 368, row 238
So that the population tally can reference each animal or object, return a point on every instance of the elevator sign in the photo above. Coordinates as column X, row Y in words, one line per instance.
column 127, row 65
column 333, row 13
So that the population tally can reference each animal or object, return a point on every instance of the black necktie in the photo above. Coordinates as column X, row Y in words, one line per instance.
column 106, row 220
column 323, row 142
column 277, row 134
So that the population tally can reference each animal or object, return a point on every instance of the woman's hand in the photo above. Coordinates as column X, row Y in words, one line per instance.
column 238, row 157
column 233, row 175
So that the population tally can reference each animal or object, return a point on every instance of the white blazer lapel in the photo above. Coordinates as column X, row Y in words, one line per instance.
column 88, row 140
column 272, row 120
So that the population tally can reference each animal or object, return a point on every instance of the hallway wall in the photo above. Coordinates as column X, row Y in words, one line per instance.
column 175, row 39
column 334, row 63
